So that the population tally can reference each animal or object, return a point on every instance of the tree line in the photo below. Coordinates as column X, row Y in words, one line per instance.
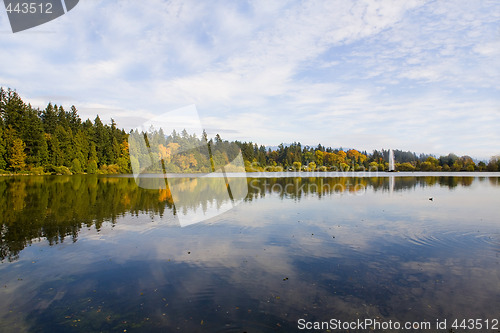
column 306, row 158
column 55, row 140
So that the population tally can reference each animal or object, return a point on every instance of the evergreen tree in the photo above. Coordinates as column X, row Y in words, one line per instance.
column 13, row 111
column 99, row 139
column 49, row 119
column 44, row 151
column 74, row 119
column 33, row 136
column 56, row 157
column 80, row 147
column 93, row 159
column 64, row 138
column 3, row 148
column 3, row 95
column 55, row 138
column 63, row 117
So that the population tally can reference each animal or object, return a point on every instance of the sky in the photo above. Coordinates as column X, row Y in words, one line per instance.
column 414, row 75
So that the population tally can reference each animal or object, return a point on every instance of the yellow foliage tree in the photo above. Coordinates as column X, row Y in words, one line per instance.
column 319, row 157
column 18, row 156
column 342, row 156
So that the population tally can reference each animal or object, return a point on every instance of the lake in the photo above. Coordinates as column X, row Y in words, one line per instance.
column 100, row 254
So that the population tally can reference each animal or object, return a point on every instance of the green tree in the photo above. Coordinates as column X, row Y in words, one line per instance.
column 49, row 119
column 308, row 156
column 74, row 119
column 494, row 164
column 18, row 156
column 373, row 166
column 55, row 151
column 9, row 135
column 93, row 153
column 65, row 138
column 3, row 150
column 33, row 136
column 13, row 111
column 76, row 166
column 92, row 167
column 44, row 151
column 406, row 166
column 426, row 166
column 481, row 166
column 318, row 154
column 81, row 147
column 100, row 140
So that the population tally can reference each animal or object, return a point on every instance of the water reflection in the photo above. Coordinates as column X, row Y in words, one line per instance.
column 53, row 208
column 312, row 248
column 35, row 208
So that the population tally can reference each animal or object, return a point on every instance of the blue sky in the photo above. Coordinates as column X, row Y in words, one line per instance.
column 413, row 75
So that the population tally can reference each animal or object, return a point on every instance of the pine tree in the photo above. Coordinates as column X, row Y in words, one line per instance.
column 93, row 159
column 63, row 117
column 3, row 149
column 3, row 95
column 64, row 138
column 99, row 139
column 55, row 151
column 74, row 119
column 81, row 147
column 44, row 151
column 49, row 119
column 93, row 153
column 33, row 137
column 14, row 111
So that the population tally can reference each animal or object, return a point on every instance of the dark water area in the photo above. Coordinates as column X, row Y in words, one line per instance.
column 100, row 254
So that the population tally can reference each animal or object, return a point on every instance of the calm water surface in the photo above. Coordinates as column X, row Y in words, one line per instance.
column 85, row 254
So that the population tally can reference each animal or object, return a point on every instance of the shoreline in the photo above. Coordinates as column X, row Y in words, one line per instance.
column 289, row 174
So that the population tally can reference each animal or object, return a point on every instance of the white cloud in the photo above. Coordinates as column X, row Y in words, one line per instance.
column 380, row 72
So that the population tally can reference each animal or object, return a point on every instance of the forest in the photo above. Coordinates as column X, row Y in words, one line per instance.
column 56, row 140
